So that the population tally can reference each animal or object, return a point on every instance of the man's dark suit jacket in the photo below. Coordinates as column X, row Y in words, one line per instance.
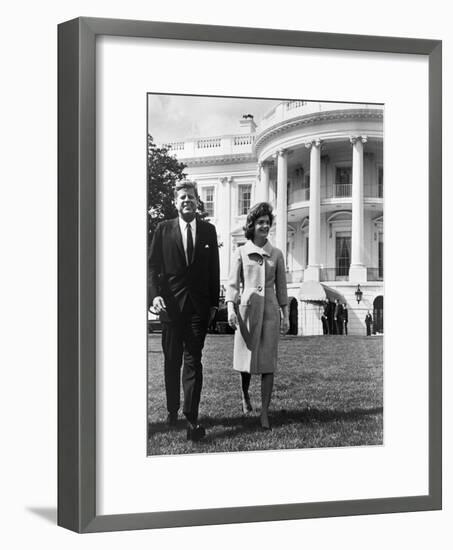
column 338, row 315
column 174, row 280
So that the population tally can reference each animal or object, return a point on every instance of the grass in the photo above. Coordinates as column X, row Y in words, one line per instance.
column 328, row 392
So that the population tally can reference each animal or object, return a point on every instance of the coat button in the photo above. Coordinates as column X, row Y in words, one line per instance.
column 260, row 288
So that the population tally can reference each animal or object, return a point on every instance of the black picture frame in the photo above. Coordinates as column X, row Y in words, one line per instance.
column 77, row 274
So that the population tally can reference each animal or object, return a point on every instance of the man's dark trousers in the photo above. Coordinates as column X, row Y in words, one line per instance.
column 183, row 339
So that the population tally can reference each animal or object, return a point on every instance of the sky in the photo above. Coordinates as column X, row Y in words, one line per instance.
column 175, row 118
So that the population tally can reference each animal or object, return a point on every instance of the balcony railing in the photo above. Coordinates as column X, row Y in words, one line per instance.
column 375, row 274
column 243, row 140
column 342, row 190
column 295, row 104
column 175, row 146
column 213, row 146
column 290, row 109
column 209, row 143
column 373, row 191
column 334, row 274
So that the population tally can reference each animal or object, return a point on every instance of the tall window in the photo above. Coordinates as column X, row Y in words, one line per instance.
column 245, row 199
column 207, row 196
column 342, row 254
column 381, row 182
column 381, row 257
column 307, row 243
column 343, row 181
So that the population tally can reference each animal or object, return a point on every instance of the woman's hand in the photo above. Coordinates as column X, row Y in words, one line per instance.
column 232, row 317
column 284, row 327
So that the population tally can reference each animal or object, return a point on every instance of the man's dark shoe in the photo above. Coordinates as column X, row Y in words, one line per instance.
column 172, row 419
column 195, row 433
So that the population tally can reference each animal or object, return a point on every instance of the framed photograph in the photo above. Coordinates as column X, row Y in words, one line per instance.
column 225, row 355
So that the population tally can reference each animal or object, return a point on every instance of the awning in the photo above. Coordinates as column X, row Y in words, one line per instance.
column 312, row 291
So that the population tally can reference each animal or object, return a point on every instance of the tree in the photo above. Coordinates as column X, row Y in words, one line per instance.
column 164, row 171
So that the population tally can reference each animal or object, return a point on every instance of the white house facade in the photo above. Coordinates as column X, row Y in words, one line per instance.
column 321, row 166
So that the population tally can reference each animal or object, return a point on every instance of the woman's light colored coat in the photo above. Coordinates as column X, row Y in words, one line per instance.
column 262, row 274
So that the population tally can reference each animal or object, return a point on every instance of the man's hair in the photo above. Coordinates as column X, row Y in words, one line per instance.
column 260, row 209
column 186, row 184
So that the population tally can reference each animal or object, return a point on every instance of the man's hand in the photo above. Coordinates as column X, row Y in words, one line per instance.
column 159, row 304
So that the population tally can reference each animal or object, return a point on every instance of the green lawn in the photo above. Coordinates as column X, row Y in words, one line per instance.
column 327, row 393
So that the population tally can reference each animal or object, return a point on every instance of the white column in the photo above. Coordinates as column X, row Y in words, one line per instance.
column 357, row 270
column 262, row 183
column 272, row 191
column 226, row 225
column 312, row 272
column 282, row 201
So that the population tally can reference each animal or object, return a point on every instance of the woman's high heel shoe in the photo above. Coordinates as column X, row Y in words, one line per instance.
column 264, row 421
column 246, row 405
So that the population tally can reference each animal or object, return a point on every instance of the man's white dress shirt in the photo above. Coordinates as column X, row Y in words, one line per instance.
column 183, row 228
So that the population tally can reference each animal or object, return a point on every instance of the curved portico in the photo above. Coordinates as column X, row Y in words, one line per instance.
column 332, row 160
column 321, row 166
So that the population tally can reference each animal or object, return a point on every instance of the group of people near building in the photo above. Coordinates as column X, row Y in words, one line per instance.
column 334, row 318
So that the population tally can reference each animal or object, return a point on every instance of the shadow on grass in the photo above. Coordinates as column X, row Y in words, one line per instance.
column 250, row 424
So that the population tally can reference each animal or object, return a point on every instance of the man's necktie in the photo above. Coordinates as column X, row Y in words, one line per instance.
column 189, row 244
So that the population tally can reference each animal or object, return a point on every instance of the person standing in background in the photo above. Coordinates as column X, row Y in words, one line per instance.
column 368, row 323
column 345, row 318
column 338, row 316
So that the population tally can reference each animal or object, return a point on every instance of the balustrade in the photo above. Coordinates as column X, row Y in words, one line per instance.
column 373, row 191
column 209, row 143
column 333, row 273
column 375, row 274
column 243, row 140
column 294, row 104
column 342, row 190
column 175, row 146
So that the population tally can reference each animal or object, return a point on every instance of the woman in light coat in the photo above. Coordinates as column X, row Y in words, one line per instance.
column 261, row 311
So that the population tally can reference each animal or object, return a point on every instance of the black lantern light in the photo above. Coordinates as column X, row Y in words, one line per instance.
column 358, row 294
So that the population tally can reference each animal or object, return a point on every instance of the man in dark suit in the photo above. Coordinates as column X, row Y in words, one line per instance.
column 338, row 316
column 325, row 318
column 368, row 323
column 345, row 318
column 184, row 290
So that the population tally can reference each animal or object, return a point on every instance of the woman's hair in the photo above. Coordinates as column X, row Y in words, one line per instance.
column 260, row 209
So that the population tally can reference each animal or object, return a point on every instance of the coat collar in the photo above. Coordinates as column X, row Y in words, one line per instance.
column 251, row 248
